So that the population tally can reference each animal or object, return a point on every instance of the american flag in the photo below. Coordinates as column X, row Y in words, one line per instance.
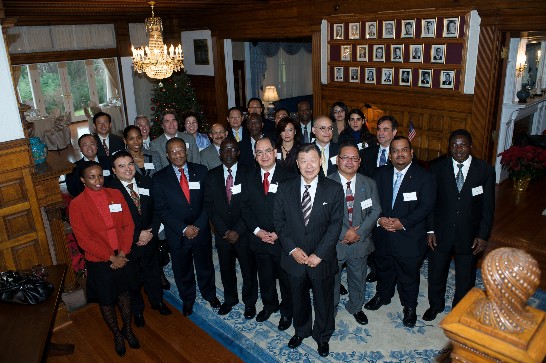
column 411, row 133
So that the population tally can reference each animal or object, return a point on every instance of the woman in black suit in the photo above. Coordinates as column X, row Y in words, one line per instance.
column 288, row 134
column 357, row 132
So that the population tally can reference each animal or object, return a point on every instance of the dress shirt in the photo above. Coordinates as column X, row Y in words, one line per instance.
column 326, row 153
column 403, row 171
column 146, row 143
column 177, row 172
column 466, row 166
column 233, row 173
column 96, row 159
column 312, row 191
column 303, row 127
column 105, row 140
column 344, row 183
column 379, row 154
column 217, row 149
column 238, row 133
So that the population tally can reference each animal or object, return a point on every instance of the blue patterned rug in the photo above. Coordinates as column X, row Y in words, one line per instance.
column 384, row 339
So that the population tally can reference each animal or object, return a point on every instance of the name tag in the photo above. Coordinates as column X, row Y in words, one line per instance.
column 236, row 189
column 187, row 146
column 477, row 191
column 143, row 191
column 149, row 166
column 201, row 149
column 115, row 208
column 279, row 156
column 273, row 188
column 195, row 185
column 360, row 147
column 333, row 160
column 366, row 204
column 410, row 196
column 106, row 172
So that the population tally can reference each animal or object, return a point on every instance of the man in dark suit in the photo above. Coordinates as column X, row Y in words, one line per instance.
column 360, row 212
column 223, row 198
column 407, row 193
column 254, row 125
column 461, row 222
column 255, row 105
column 259, row 191
column 178, row 198
column 235, row 121
column 135, row 188
column 305, row 117
column 210, row 156
column 308, row 217
column 323, row 130
column 107, row 143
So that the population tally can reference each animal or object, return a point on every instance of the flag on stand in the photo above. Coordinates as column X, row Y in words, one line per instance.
column 411, row 132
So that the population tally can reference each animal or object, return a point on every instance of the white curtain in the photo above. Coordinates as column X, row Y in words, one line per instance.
column 137, row 35
column 291, row 74
column 111, row 67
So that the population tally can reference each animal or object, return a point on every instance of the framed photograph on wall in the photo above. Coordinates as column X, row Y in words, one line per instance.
column 447, row 79
column 388, row 29
column 370, row 76
column 425, row 78
column 428, row 28
column 408, row 28
column 346, row 53
column 354, row 74
column 338, row 31
column 416, row 53
column 397, row 53
column 438, row 53
column 371, row 30
column 354, row 30
column 387, row 75
column 451, row 28
column 379, row 53
column 362, row 53
column 404, row 78
column 338, row 74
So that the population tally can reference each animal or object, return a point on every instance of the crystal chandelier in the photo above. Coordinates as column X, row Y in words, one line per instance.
column 154, row 59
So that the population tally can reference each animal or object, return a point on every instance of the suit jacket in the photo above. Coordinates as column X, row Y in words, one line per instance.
column 246, row 155
column 210, row 157
column 73, row 182
column 334, row 150
column 158, row 145
column 413, row 209
column 151, row 158
column 321, row 234
column 458, row 218
column 369, row 156
column 246, row 135
column 365, row 218
column 115, row 144
column 171, row 205
column 258, row 207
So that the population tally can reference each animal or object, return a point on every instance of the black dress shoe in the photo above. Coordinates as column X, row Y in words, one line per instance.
column 372, row 277
column 162, row 308
column 284, row 323
column 431, row 313
column 361, row 318
column 295, row 342
column 376, row 302
column 250, row 312
column 410, row 317
column 165, row 284
column 225, row 308
column 187, row 310
column 119, row 344
column 343, row 290
column 264, row 315
column 214, row 303
column 138, row 319
column 323, row 349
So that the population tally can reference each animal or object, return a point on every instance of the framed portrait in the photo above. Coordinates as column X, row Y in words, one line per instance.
column 354, row 30
column 201, row 51
column 387, row 75
column 354, row 74
column 451, row 28
column 338, row 31
column 447, row 79
column 371, row 30
column 425, row 78
column 370, row 76
column 416, row 53
column 397, row 53
column 362, row 53
column 404, row 78
column 408, row 28
column 388, row 29
column 428, row 28
column 338, row 74
column 346, row 53
column 438, row 53
column 379, row 53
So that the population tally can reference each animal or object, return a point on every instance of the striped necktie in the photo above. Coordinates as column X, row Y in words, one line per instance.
column 229, row 185
column 350, row 199
column 306, row 205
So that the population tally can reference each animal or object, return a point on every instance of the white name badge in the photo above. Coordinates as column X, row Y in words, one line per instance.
column 149, row 166
column 201, row 149
column 313, row 140
column 143, row 191
column 236, row 189
column 273, row 188
column 106, row 173
column 366, row 204
column 410, row 196
column 195, row 185
column 187, row 146
column 333, row 160
column 279, row 156
column 477, row 191
column 360, row 147
column 115, row 208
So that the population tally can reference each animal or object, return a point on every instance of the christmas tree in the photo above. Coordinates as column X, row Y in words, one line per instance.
column 174, row 93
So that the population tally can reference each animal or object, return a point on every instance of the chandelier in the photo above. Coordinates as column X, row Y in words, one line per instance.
column 154, row 59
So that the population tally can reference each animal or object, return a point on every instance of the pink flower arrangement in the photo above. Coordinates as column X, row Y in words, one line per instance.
column 523, row 161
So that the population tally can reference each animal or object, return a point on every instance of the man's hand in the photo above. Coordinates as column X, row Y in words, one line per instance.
column 231, row 236
column 478, row 245
column 387, row 224
column 191, row 231
column 145, row 237
column 431, row 240
column 396, row 225
column 300, row 256
column 313, row 260
column 351, row 236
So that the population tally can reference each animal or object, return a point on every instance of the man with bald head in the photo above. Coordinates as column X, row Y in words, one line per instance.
column 305, row 115
column 210, row 156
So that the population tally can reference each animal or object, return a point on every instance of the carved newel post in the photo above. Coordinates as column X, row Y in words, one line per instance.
column 497, row 325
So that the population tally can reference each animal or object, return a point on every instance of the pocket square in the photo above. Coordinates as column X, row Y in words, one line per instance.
column 324, row 203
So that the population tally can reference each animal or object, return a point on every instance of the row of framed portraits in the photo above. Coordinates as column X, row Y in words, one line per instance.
column 386, row 76
column 429, row 28
column 379, row 54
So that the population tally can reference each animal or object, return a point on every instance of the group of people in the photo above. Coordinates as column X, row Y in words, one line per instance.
column 293, row 200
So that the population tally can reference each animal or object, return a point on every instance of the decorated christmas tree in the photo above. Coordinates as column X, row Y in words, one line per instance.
column 174, row 93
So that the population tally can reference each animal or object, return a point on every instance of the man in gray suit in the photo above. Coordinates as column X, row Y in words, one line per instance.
column 360, row 214
column 210, row 156
column 170, row 130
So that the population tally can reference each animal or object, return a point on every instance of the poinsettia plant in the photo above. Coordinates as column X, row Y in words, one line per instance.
column 523, row 161
column 76, row 255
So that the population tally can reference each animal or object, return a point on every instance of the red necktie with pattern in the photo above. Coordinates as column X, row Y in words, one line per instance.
column 229, row 184
column 350, row 199
column 134, row 196
column 106, row 150
column 184, row 184
column 266, row 182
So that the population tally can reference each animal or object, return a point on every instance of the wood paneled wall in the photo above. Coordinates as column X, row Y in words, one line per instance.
column 205, row 93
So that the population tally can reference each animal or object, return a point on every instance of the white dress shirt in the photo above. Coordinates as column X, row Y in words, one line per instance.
column 381, row 148
column 466, row 167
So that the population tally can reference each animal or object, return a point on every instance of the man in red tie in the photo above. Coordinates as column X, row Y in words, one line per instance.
column 178, row 200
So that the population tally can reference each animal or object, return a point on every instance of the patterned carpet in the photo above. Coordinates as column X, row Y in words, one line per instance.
column 384, row 339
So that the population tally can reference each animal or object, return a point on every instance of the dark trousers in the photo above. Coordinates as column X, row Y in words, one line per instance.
column 323, row 303
column 438, row 270
column 269, row 270
column 371, row 262
column 400, row 272
column 146, row 260
column 227, row 255
column 186, row 253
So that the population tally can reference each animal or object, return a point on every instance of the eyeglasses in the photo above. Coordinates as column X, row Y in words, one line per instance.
column 326, row 128
column 265, row 152
column 352, row 158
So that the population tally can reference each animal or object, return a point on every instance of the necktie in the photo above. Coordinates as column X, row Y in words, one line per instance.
column 350, row 199
column 184, row 184
column 266, row 182
column 229, row 184
column 396, row 187
column 459, row 179
column 106, row 150
column 306, row 205
column 324, row 161
column 305, row 135
column 383, row 158
column 134, row 196
column 237, row 136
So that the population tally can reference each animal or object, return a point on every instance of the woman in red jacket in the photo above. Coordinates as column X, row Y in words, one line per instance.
column 104, row 228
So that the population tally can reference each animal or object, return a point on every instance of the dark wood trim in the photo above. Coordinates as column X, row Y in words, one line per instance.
column 70, row 55
column 6, row 145
column 220, row 77
column 317, row 86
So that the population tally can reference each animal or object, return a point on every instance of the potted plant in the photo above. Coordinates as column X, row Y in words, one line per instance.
column 523, row 163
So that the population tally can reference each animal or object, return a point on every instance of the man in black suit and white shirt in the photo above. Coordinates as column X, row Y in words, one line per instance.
column 461, row 221
column 210, row 156
column 407, row 193
column 309, row 231
column 323, row 130
column 235, row 121
column 107, row 143
column 305, row 118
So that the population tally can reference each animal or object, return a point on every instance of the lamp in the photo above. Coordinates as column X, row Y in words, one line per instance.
column 522, row 64
column 270, row 96
column 154, row 59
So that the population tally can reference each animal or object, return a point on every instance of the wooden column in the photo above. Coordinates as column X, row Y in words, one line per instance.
column 220, row 78
column 317, row 87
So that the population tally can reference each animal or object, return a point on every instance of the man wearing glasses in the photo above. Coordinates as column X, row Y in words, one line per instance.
column 323, row 130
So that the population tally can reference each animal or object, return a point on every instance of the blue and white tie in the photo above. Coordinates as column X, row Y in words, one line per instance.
column 396, row 187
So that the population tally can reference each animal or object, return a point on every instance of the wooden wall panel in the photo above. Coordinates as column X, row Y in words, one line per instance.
column 205, row 93
column 26, row 255
column 18, row 224
column 12, row 192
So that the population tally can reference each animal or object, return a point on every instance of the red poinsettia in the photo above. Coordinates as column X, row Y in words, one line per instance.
column 523, row 161
column 78, row 261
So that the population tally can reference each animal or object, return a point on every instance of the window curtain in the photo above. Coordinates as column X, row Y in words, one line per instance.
column 16, row 74
column 111, row 67
column 290, row 74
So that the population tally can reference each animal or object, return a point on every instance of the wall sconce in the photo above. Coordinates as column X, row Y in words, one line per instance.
column 538, row 56
column 270, row 96
column 521, row 65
